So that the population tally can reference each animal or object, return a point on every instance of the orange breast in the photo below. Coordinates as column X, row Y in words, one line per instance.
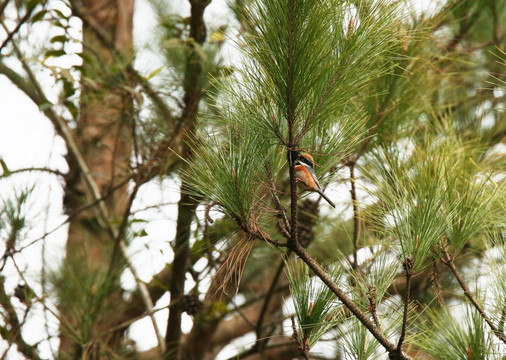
column 305, row 180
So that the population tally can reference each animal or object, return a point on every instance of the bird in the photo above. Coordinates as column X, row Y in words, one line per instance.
column 306, row 177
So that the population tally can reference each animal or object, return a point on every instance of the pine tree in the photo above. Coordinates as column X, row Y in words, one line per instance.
column 403, row 114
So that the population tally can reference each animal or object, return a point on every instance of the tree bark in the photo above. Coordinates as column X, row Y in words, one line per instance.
column 103, row 136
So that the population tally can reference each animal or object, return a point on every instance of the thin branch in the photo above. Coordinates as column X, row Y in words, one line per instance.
column 22, row 21
column 355, row 310
column 356, row 218
column 102, row 212
column 408, row 265
column 448, row 260
column 122, row 228
column 11, row 318
column 262, row 342
column 371, row 296
column 281, row 210
column 41, row 169
column 3, row 6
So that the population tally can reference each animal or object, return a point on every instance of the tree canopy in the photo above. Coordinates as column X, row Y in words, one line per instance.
column 402, row 111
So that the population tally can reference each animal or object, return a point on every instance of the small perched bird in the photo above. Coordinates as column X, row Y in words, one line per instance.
column 306, row 177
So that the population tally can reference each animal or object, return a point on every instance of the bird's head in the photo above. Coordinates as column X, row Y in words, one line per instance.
column 305, row 158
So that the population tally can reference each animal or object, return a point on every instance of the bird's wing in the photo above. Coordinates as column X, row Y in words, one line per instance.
column 313, row 175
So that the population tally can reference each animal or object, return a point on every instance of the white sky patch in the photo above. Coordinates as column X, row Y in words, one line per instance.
column 237, row 346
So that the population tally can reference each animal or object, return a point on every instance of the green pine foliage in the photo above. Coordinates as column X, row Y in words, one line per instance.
column 357, row 343
column 457, row 335
column 315, row 305
column 404, row 116
column 294, row 74
column 432, row 194
column 349, row 78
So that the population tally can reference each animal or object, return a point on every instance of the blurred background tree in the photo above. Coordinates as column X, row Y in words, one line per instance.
column 403, row 112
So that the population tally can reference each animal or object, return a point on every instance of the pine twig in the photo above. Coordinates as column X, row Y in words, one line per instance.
column 371, row 296
column 408, row 264
column 448, row 260
column 40, row 169
column 11, row 318
column 356, row 218
column 303, row 345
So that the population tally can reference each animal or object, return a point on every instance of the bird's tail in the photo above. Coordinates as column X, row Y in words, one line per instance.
column 326, row 198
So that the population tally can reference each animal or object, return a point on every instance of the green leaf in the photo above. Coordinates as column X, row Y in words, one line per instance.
column 138, row 220
column 32, row 3
column 154, row 73
column 54, row 53
column 141, row 233
column 38, row 16
column 72, row 108
column 6, row 171
column 60, row 14
column 58, row 39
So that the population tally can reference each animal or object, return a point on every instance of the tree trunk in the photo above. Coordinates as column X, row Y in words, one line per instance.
column 89, row 282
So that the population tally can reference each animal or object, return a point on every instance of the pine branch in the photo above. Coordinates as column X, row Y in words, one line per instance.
column 350, row 305
column 448, row 260
column 40, row 169
column 408, row 265
column 356, row 218
column 186, row 211
column 290, row 118
column 371, row 296
column 14, row 329
column 355, row 310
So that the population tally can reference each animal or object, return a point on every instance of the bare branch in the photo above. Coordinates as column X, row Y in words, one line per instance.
column 17, row 171
column 30, row 351
column 22, row 21
column 448, row 260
